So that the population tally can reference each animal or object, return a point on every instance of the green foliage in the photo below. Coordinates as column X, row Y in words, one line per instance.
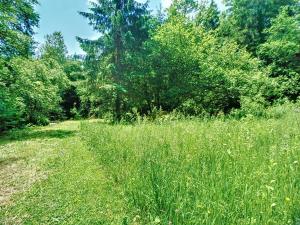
column 208, row 16
column 123, row 28
column 55, row 51
column 281, row 52
column 190, row 66
column 54, row 48
column 194, row 60
column 17, row 21
column 9, row 112
column 37, row 86
column 29, row 89
column 71, row 97
column 10, row 105
column 240, row 67
column 182, row 8
column 249, row 19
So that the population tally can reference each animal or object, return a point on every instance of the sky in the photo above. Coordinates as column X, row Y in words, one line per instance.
column 62, row 15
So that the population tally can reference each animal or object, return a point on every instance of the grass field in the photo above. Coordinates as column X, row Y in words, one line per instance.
column 178, row 172
column 63, row 182
column 197, row 172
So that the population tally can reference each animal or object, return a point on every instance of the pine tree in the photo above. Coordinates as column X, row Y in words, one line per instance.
column 121, row 24
column 209, row 16
column 17, row 22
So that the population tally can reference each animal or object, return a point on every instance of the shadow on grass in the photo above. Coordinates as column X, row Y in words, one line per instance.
column 23, row 135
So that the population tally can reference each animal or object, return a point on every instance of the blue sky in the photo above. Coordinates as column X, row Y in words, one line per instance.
column 62, row 15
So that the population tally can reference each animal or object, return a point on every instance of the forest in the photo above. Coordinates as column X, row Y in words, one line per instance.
column 190, row 59
column 182, row 115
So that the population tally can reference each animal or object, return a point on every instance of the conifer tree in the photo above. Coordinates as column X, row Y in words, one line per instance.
column 209, row 16
column 121, row 25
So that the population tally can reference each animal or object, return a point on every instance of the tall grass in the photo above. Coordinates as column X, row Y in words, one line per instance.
column 203, row 172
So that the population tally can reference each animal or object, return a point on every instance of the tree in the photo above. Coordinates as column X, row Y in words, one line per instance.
column 183, row 7
column 249, row 19
column 121, row 24
column 281, row 52
column 34, row 88
column 17, row 21
column 208, row 16
column 54, row 52
column 195, row 72
column 9, row 103
column 71, row 102
column 54, row 48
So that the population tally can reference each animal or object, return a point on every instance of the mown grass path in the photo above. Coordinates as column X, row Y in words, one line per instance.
column 49, row 177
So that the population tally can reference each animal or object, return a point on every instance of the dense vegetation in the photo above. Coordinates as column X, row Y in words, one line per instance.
column 205, row 111
column 203, row 172
column 193, row 171
column 191, row 58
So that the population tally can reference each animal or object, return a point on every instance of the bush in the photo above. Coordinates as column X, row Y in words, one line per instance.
column 29, row 91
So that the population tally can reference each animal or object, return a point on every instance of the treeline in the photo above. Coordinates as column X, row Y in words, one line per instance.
column 37, row 83
column 191, row 58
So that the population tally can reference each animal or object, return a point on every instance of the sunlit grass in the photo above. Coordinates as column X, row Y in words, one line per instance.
column 68, row 183
column 178, row 172
column 203, row 172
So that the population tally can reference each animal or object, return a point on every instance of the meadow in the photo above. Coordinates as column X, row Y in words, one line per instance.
column 187, row 171
column 202, row 172
column 157, row 112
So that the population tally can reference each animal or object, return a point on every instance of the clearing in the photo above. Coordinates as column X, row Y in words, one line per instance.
column 216, row 171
